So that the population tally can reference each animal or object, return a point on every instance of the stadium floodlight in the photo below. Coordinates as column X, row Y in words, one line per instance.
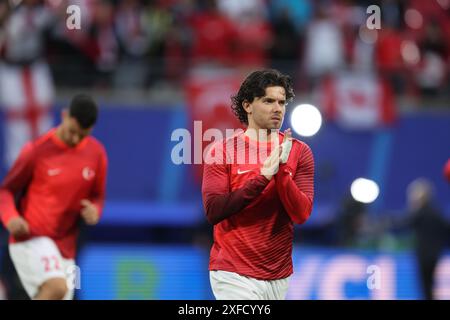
column 364, row 190
column 306, row 120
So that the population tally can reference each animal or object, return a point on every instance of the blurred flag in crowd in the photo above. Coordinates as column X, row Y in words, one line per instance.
column 357, row 101
column 209, row 101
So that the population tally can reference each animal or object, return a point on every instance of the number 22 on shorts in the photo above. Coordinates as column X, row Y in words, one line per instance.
column 51, row 263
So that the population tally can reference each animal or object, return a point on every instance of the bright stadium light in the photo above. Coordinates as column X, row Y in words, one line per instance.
column 306, row 120
column 364, row 190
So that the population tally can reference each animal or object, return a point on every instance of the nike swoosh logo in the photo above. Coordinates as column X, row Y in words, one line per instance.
column 244, row 171
column 53, row 172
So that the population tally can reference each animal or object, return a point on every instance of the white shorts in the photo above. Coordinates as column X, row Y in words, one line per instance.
column 232, row 286
column 38, row 260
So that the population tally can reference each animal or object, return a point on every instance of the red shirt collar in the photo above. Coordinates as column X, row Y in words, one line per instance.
column 63, row 145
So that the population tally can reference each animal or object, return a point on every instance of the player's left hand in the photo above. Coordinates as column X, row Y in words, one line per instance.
column 89, row 212
column 286, row 146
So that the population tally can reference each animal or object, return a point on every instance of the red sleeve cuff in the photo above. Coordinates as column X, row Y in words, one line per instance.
column 284, row 171
column 8, row 216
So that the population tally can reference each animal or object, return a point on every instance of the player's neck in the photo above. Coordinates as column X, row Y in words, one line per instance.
column 60, row 136
column 260, row 134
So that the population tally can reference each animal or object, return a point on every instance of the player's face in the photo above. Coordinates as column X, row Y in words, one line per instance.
column 267, row 112
column 72, row 133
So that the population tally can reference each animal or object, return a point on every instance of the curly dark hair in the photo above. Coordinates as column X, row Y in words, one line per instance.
column 254, row 86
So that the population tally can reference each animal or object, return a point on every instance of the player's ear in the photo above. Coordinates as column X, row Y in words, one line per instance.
column 247, row 106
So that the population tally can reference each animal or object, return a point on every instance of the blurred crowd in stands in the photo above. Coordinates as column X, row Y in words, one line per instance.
column 137, row 44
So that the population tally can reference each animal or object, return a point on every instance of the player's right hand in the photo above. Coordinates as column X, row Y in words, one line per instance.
column 271, row 164
column 18, row 227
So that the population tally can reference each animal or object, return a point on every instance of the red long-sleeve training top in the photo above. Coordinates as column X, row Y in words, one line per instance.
column 253, row 217
column 51, row 179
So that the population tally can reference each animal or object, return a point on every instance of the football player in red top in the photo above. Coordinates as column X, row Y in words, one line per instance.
column 254, row 205
column 56, row 180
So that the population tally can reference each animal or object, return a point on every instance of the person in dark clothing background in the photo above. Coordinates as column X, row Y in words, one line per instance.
column 430, row 232
column 350, row 222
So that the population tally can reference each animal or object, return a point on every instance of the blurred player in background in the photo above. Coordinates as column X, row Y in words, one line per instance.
column 57, row 179
column 253, row 207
